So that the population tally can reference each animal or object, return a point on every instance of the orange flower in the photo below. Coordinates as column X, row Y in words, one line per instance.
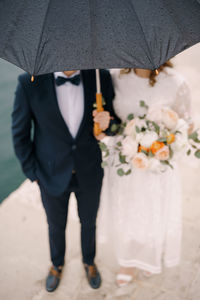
column 170, row 138
column 143, row 148
column 156, row 146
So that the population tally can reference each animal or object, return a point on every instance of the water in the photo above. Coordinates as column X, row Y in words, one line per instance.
column 10, row 172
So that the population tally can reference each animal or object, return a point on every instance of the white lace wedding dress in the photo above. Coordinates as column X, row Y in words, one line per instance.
column 140, row 214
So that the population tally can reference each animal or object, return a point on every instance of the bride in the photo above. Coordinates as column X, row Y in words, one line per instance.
column 140, row 214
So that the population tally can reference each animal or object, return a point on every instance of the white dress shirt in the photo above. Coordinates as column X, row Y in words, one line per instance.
column 71, row 103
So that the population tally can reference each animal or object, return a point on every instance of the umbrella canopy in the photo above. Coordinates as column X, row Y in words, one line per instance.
column 43, row 36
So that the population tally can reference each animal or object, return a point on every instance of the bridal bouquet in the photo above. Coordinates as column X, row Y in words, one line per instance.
column 152, row 141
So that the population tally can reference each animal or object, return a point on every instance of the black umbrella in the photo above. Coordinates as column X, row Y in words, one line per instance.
column 44, row 36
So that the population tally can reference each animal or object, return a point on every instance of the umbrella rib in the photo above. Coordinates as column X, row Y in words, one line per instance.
column 40, row 38
column 148, row 48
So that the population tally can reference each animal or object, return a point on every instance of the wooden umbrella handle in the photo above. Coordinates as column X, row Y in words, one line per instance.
column 99, row 103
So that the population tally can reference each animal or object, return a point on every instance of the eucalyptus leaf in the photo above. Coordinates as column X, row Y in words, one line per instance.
column 156, row 126
column 171, row 152
column 107, row 153
column 128, row 172
column 103, row 146
column 114, row 127
column 120, row 172
column 143, row 104
column 104, row 164
column 122, row 158
column 137, row 129
column 166, row 162
column 193, row 136
column 130, row 117
column 119, row 144
column 151, row 154
column 197, row 153
column 145, row 152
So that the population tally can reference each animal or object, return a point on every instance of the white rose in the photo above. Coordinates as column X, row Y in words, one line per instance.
column 180, row 143
column 140, row 161
column 155, row 165
column 129, row 147
column 169, row 118
column 147, row 138
column 155, row 114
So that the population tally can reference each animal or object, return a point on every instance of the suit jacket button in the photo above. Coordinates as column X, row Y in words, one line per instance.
column 74, row 147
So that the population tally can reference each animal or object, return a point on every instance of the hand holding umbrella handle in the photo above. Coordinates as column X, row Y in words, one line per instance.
column 97, row 129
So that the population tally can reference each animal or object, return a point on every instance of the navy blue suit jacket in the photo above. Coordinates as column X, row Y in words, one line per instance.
column 42, row 141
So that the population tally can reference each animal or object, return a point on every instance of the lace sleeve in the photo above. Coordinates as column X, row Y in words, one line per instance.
column 182, row 104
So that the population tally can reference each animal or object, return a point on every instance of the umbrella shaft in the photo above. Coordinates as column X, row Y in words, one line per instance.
column 98, row 81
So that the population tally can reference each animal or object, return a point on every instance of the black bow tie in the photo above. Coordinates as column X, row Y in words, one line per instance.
column 74, row 80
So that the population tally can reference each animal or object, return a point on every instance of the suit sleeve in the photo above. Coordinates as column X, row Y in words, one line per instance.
column 109, row 97
column 21, row 132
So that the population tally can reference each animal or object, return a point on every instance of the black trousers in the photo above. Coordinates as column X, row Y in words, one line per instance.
column 56, row 211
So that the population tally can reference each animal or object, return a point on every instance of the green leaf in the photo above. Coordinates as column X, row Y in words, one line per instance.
column 145, row 152
column 114, row 127
column 120, row 172
column 107, row 153
column 103, row 146
column 128, row 172
column 164, row 140
column 189, row 152
column 151, row 154
column 137, row 129
column 130, row 117
column 197, row 153
column 194, row 137
column 171, row 152
column 104, row 164
column 157, row 128
column 166, row 162
column 119, row 144
column 142, row 117
column 177, row 131
column 143, row 104
column 122, row 158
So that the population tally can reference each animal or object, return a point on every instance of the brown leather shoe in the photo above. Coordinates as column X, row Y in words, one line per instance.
column 53, row 278
column 93, row 276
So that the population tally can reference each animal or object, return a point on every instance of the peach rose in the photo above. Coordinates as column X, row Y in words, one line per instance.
column 163, row 153
column 169, row 118
column 140, row 161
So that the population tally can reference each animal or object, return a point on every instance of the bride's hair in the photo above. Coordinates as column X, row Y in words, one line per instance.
column 152, row 77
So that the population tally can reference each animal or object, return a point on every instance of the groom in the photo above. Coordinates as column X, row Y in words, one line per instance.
column 52, row 127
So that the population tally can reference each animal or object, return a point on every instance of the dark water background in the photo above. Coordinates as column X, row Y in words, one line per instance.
column 10, row 173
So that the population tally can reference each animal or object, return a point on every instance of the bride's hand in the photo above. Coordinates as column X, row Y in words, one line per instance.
column 103, row 118
column 100, row 136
